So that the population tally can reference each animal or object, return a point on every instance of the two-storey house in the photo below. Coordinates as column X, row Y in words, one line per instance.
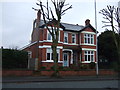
column 76, row 44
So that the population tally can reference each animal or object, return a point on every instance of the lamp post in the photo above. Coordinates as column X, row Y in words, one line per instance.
column 96, row 40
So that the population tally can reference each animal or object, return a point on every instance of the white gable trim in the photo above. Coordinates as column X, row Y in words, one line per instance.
column 28, row 45
column 88, row 32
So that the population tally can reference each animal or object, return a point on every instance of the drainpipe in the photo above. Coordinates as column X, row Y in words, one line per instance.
column 79, row 46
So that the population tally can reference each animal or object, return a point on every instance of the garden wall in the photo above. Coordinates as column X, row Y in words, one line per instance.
column 62, row 73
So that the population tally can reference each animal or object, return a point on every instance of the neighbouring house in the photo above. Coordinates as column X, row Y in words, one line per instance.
column 76, row 44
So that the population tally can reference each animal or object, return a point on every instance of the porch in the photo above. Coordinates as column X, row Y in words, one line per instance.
column 71, row 55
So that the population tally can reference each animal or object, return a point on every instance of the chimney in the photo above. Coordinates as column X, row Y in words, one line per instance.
column 87, row 22
column 38, row 18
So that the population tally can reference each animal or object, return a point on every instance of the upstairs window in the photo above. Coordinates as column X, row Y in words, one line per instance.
column 73, row 38
column 88, row 39
column 49, row 37
column 65, row 37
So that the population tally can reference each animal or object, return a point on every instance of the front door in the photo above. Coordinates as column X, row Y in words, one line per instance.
column 65, row 60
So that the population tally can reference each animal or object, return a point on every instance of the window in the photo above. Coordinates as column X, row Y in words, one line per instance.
column 89, row 39
column 65, row 37
column 73, row 38
column 29, row 54
column 89, row 56
column 49, row 37
column 50, row 54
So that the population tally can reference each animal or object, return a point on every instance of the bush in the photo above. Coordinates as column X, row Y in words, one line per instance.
column 84, row 66
column 116, row 66
column 43, row 68
column 66, row 69
column 12, row 59
column 92, row 65
column 53, row 68
column 61, row 67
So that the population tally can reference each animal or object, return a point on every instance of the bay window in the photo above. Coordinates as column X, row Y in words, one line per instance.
column 88, row 38
column 89, row 56
column 50, row 54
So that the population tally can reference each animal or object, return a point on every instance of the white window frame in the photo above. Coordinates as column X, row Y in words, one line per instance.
column 91, row 54
column 74, row 38
column 29, row 54
column 65, row 35
column 49, row 50
column 48, row 33
column 89, row 39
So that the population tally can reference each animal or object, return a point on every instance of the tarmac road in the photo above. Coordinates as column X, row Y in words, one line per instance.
column 106, row 82
column 69, row 84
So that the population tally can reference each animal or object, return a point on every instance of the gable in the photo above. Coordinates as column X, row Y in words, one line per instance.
column 89, row 28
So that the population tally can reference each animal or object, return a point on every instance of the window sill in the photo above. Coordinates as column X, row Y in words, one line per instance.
column 87, row 61
column 88, row 44
column 51, row 61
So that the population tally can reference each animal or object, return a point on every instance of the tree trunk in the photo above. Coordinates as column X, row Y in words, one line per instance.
column 55, row 58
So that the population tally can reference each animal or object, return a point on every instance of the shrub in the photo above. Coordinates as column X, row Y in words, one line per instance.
column 52, row 68
column 61, row 67
column 43, row 68
column 92, row 65
column 12, row 59
column 84, row 66
column 116, row 66
column 66, row 69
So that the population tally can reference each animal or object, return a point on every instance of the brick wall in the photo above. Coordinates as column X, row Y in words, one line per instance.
column 62, row 73
column 17, row 73
column 61, row 36
column 82, row 37
column 69, row 37
column 49, row 65
column 45, row 34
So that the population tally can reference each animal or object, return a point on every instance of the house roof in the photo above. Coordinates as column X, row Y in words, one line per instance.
column 70, row 27
column 66, row 26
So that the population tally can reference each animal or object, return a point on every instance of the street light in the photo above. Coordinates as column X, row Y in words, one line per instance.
column 96, row 40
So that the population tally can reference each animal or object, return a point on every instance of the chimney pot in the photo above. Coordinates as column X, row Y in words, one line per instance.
column 87, row 22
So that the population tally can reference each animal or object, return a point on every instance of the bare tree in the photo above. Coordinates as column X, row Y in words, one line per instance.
column 112, row 17
column 53, row 20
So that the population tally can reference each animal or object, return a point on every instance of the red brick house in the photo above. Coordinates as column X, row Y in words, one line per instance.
column 76, row 44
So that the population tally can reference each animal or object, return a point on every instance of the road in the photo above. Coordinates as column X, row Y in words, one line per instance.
column 69, row 84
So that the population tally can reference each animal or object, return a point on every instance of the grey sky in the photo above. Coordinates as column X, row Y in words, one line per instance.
column 17, row 18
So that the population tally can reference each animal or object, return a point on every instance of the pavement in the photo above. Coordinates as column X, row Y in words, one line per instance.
column 26, row 79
